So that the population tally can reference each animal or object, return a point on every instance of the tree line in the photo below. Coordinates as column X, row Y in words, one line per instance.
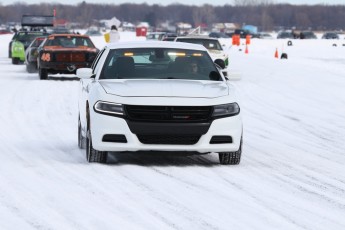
column 264, row 14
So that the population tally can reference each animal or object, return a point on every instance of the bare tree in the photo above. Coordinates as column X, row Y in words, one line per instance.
column 252, row 2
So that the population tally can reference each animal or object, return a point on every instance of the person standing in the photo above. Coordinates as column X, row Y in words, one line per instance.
column 114, row 35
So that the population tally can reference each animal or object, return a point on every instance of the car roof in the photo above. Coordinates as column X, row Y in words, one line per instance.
column 156, row 44
column 32, row 32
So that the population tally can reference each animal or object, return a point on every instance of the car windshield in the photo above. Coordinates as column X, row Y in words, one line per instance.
column 69, row 41
column 209, row 44
column 159, row 63
column 28, row 37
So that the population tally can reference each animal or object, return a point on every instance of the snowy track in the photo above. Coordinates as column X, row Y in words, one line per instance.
column 291, row 175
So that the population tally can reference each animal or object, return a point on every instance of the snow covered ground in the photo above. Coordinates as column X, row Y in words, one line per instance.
column 291, row 175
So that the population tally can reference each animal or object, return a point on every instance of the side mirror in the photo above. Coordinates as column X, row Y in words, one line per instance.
column 220, row 63
column 85, row 73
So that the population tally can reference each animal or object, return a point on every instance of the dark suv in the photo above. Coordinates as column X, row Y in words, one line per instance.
column 307, row 35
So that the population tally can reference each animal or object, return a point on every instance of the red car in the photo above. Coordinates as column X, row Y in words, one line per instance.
column 64, row 54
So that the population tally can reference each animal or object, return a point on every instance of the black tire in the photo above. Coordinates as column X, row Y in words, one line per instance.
column 231, row 158
column 81, row 139
column 9, row 50
column 93, row 155
column 284, row 56
column 15, row 61
column 43, row 73
column 31, row 68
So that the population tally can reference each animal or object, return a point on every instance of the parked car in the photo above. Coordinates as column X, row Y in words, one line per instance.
column 169, row 36
column 64, row 54
column 94, row 31
column 285, row 35
column 155, row 36
column 243, row 33
column 211, row 44
column 218, row 35
column 60, row 30
column 307, row 35
column 20, row 41
column 31, row 54
column 330, row 35
column 263, row 35
column 5, row 30
column 147, row 96
column 169, row 39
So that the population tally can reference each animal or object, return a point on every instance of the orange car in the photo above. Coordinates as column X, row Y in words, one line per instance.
column 64, row 54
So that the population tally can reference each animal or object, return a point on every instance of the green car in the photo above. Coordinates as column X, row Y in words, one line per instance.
column 20, row 41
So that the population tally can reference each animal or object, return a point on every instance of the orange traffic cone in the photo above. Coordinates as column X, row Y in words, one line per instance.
column 276, row 55
column 246, row 50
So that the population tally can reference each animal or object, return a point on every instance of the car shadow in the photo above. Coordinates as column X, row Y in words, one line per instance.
column 183, row 159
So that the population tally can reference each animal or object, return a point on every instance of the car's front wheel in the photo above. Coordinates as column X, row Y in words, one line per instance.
column 231, row 158
column 93, row 155
column 43, row 73
column 15, row 61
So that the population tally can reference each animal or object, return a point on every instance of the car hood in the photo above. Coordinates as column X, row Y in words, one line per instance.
column 165, row 88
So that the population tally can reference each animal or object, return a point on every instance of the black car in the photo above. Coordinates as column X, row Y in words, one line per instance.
column 31, row 54
column 307, row 35
column 285, row 35
column 218, row 35
column 330, row 35
column 169, row 39
column 243, row 33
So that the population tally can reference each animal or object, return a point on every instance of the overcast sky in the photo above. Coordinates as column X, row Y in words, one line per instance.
column 166, row 2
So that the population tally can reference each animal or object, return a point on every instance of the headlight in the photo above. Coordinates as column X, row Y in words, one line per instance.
column 226, row 110
column 109, row 108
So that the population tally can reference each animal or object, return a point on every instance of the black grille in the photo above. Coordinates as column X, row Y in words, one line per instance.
column 168, row 113
column 169, row 139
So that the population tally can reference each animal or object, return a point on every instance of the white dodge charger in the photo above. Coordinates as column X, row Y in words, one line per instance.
column 158, row 96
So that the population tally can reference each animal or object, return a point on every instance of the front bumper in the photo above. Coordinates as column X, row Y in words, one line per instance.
column 64, row 67
column 18, row 54
column 102, row 125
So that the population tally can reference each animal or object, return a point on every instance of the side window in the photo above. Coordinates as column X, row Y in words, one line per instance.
column 94, row 65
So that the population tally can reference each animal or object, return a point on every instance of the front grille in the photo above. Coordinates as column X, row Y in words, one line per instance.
column 168, row 113
column 169, row 139
column 70, row 57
